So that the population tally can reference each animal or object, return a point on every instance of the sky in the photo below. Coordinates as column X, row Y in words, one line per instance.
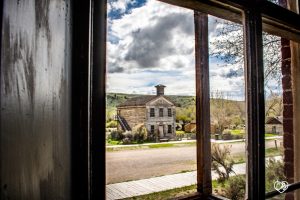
column 150, row 43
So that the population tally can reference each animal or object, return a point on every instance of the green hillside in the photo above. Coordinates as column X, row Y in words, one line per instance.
column 185, row 105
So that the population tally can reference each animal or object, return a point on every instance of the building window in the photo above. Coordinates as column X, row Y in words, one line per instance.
column 169, row 112
column 152, row 129
column 161, row 112
column 152, row 113
column 169, row 128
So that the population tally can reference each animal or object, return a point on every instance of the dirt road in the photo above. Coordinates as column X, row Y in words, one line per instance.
column 138, row 164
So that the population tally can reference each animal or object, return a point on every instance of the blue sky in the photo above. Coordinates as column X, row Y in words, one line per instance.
column 150, row 43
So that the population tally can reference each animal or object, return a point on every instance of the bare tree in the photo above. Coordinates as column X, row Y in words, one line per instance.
column 227, row 45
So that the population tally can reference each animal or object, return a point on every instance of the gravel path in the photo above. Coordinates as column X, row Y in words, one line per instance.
column 129, row 165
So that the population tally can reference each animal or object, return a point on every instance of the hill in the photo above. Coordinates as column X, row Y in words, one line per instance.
column 186, row 104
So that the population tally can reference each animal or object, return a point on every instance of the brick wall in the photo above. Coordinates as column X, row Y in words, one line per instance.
column 288, row 140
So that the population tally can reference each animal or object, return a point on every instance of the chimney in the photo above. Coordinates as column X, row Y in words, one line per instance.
column 160, row 89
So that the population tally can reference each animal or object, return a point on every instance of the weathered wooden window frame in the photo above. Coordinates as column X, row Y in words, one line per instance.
column 152, row 112
column 89, row 75
column 160, row 112
column 169, row 112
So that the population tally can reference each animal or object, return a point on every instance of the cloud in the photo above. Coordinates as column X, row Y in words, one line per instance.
column 117, row 8
column 115, row 69
column 161, row 37
column 233, row 73
column 154, row 43
column 151, row 44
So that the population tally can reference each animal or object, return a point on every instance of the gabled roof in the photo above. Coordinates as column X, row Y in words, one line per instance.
column 142, row 100
column 273, row 120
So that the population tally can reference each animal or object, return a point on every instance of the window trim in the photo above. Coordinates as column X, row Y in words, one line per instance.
column 161, row 112
column 169, row 128
column 152, row 131
column 169, row 112
column 152, row 114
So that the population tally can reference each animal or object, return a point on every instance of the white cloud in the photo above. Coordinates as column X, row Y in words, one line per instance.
column 155, row 44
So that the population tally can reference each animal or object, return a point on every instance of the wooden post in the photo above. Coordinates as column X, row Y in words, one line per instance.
column 254, row 72
column 202, row 105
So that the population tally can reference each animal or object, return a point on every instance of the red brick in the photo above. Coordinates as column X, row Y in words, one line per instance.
column 288, row 155
column 287, row 111
column 286, row 82
column 287, row 97
column 286, row 67
column 288, row 126
column 288, row 141
column 285, row 42
column 289, row 170
column 286, row 52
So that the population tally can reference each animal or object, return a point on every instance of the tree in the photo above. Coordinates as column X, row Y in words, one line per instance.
column 220, row 111
column 274, row 105
column 227, row 45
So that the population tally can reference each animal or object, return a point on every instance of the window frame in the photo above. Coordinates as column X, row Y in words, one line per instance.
column 152, row 114
column 88, row 80
column 161, row 112
column 169, row 128
column 152, row 129
column 169, row 112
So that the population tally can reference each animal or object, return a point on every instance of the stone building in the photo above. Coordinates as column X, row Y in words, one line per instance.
column 274, row 125
column 155, row 112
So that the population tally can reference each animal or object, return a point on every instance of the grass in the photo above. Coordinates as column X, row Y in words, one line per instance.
column 237, row 132
column 270, row 134
column 160, row 145
column 270, row 152
column 114, row 142
column 273, row 152
column 173, row 193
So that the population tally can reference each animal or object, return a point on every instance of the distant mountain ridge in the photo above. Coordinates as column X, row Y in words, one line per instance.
column 114, row 99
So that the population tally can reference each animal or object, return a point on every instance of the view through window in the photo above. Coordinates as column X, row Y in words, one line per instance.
column 151, row 129
column 151, row 105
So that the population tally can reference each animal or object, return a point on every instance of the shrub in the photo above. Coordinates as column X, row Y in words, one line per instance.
column 222, row 163
column 128, row 135
column 191, row 135
column 227, row 136
column 127, row 141
column 274, row 172
column 112, row 124
column 235, row 189
column 116, row 135
column 140, row 134
column 227, row 131
column 180, row 133
column 140, row 137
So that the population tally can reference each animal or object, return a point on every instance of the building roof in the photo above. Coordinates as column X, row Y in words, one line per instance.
column 273, row 120
column 141, row 100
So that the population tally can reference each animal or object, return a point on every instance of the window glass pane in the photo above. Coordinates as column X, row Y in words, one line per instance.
column 150, row 107
column 161, row 112
column 169, row 112
column 152, row 112
column 281, row 139
column 273, row 111
column 227, row 108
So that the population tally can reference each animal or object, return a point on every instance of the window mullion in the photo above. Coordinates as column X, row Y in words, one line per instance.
column 202, row 105
column 254, row 73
